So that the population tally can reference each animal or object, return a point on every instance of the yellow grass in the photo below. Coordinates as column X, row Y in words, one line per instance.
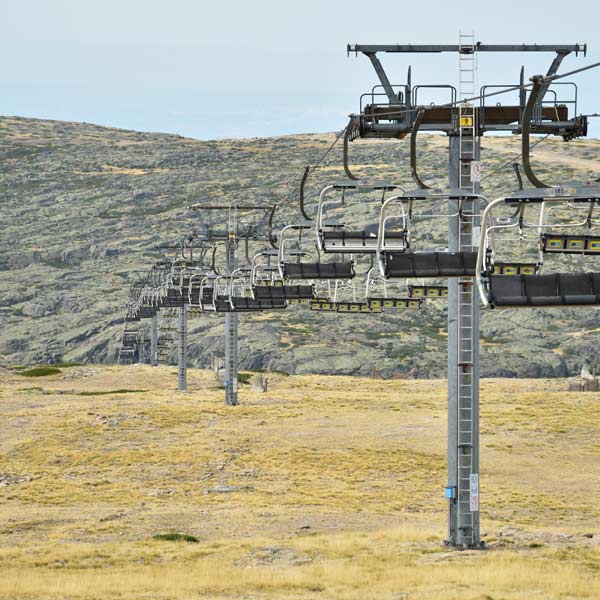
column 340, row 489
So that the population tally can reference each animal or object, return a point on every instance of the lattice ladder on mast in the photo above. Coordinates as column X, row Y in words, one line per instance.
column 167, row 333
column 468, row 135
column 231, row 318
column 129, row 343
column 182, row 348
column 467, row 58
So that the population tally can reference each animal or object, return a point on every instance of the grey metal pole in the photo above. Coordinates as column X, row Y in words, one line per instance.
column 453, row 243
column 182, row 350
column 231, row 334
column 141, row 354
column 463, row 366
column 154, row 341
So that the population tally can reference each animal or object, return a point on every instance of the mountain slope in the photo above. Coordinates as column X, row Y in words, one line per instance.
column 84, row 207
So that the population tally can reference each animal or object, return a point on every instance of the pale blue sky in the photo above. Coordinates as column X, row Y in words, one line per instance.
column 249, row 68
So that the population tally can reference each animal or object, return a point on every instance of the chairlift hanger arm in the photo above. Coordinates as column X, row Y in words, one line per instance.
column 349, row 134
column 301, row 197
column 534, row 95
column 272, row 236
column 413, row 150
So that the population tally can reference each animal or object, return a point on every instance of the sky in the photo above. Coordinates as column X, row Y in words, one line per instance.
column 235, row 68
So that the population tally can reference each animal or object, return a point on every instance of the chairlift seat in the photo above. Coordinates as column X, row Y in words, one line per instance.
column 542, row 290
column 428, row 291
column 557, row 289
column 576, row 288
column 507, row 290
column 388, row 303
column 355, row 308
column 514, row 268
column 332, row 270
column 342, row 240
column 283, row 292
column 322, row 305
column 244, row 304
column 430, row 264
column 570, row 244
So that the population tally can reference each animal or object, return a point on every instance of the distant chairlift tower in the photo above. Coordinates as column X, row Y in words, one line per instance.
column 231, row 320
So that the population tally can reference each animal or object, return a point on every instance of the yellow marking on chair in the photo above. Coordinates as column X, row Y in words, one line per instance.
column 575, row 244
column 594, row 245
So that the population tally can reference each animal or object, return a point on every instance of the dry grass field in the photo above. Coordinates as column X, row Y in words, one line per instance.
column 323, row 487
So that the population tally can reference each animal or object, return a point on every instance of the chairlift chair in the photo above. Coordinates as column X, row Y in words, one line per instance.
column 339, row 237
column 268, row 285
column 577, row 288
column 380, row 295
column 409, row 262
column 293, row 250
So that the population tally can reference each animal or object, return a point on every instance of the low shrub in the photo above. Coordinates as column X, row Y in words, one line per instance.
column 40, row 372
column 175, row 537
column 244, row 377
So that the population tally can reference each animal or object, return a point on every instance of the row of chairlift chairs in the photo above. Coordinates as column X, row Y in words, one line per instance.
column 317, row 261
column 296, row 271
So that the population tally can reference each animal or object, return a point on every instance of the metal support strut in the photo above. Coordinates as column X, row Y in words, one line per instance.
column 182, row 350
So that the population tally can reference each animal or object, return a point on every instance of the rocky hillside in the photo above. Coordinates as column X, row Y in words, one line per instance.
column 84, row 207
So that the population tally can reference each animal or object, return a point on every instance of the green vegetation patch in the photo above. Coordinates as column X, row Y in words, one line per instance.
column 244, row 377
column 175, row 537
column 40, row 372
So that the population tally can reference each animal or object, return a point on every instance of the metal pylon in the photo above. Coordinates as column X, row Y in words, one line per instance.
column 463, row 319
column 182, row 349
column 141, row 348
column 231, row 333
